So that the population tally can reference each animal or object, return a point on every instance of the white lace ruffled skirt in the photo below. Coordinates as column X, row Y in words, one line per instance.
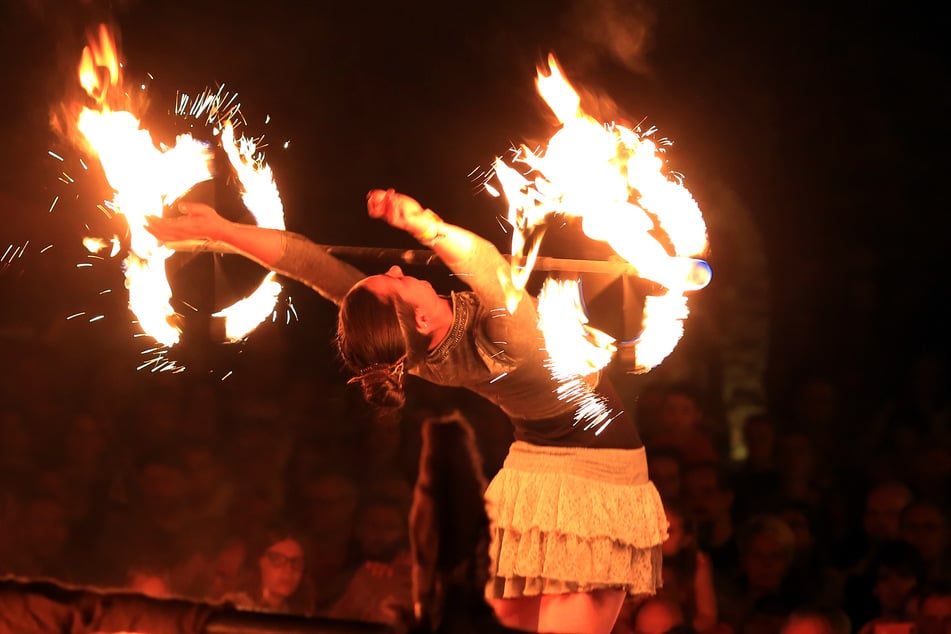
column 573, row 519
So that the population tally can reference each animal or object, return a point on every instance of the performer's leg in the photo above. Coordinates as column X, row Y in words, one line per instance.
column 580, row 612
column 520, row 613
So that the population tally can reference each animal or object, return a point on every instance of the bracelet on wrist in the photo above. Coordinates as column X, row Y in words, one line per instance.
column 433, row 232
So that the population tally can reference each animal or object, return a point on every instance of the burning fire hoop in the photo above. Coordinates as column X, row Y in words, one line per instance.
column 613, row 179
column 147, row 177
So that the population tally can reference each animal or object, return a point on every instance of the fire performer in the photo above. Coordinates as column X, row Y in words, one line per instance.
column 576, row 523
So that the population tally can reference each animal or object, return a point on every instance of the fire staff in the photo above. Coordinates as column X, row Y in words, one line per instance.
column 576, row 523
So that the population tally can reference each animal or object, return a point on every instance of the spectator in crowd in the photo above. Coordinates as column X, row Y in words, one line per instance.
column 274, row 579
column 226, row 568
column 814, row 577
column 933, row 608
column 688, row 573
column 709, row 496
column 877, row 524
column 757, row 476
column 326, row 510
column 767, row 548
column 379, row 589
column 924, row 525
column 894, row 576
column 684, row 425
column 666, row 468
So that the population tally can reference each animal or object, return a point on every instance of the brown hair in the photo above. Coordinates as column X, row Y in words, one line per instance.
column 371, row 344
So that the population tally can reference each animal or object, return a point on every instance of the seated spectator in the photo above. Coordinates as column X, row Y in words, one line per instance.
column 815, row 579
column 688, row 573
column 381, row 586
column 666, row 470
column 708, row 492
column 683, row 425
column 924, row 525
column 326, row 507
column 226, row 567
column 757, row 477
column 933, row 608
column 896, row 573
column 767, row 547
column 878, row 523
column 273, row 579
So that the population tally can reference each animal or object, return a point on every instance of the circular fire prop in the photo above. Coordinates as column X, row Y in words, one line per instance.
column 148, row 177
column 612, row 178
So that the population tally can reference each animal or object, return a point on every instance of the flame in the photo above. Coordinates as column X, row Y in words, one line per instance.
column 99, row 54
column 586, row 349
column 613, row 179
column 147, row 176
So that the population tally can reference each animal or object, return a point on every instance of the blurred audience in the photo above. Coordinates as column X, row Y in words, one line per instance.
column 832, row 518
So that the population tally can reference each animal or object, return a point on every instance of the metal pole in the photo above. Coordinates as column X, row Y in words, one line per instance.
column 424, row 257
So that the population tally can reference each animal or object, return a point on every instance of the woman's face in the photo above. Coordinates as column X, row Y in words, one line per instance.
column 282, row 566
column 399, row 288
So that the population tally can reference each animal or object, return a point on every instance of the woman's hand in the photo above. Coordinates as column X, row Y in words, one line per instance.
column 403, row 212
column 196, row 221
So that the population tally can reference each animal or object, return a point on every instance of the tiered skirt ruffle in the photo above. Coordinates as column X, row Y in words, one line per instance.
column 569, row 519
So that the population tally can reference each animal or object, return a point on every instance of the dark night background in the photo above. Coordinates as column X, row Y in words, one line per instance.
column 827, row 126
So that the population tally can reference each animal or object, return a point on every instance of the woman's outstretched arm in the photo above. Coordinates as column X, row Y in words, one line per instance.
column 473, row 259
column 283, row 252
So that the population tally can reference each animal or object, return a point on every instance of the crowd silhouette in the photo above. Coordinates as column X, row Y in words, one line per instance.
column 280, row 490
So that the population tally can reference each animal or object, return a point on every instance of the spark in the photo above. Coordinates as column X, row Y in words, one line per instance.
column 73, row 316
column 499, row 377
column 55, row 200
column 97, row 318
column 612, row 179
column 46, row 248
column 227, row 374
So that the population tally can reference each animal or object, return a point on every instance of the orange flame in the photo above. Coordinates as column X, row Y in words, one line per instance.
column 147, row 177
column 100, row 53
column 612, row 178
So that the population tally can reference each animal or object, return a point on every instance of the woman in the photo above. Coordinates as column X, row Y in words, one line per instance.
column 576, row 523
column 274, row 579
